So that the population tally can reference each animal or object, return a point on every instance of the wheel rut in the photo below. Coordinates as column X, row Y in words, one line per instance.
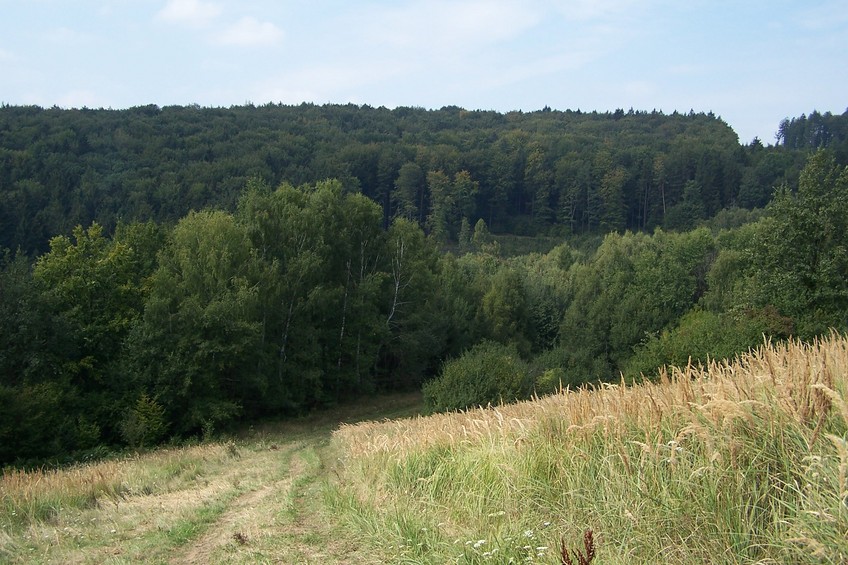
column 248, row 518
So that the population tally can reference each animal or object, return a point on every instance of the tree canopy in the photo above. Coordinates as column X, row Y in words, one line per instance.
column 537, row 173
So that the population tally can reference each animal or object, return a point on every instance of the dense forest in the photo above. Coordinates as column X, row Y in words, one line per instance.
column 546, row 172
column 169, row 272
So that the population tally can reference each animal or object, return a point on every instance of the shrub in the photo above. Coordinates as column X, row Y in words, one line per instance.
column 550, row 381
column 145, row 424
column 488, row 373
column 703, row 335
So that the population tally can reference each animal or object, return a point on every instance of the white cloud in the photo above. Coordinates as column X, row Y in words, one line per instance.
column 195, row 13
column 249, row 31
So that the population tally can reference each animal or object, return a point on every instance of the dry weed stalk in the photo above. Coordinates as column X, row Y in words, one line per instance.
column 582, row 558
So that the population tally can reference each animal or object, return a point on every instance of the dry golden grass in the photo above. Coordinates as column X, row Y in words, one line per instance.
column 745, row 461
column 40, row 494
column 806, row 383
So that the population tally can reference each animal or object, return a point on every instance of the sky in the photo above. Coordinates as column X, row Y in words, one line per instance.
column 751, row 62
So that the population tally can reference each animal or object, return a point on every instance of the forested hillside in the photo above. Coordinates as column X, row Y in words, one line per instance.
column 525, row 173
column 172, row 272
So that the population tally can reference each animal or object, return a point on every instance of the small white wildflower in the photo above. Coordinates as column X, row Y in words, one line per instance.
column 542, row 548
column 479, row 543
column 528, row 534
column 546, row 524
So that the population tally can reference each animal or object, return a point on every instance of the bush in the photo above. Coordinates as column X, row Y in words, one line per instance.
column 145, row 424
column 488, row 373
column 702, row 335
column 550, row 381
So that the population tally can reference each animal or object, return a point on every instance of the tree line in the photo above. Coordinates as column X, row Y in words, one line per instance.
column 556, row 173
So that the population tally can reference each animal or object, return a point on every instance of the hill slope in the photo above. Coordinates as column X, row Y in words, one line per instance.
column 526, row 173
column 741, row 463
column 257, row 498
column 744, row 462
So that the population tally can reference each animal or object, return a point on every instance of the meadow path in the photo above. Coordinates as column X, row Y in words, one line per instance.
column 259, row 497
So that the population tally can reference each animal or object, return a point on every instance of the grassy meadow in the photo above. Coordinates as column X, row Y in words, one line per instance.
column 257, row 497
column 732, row 463
column 745, row 462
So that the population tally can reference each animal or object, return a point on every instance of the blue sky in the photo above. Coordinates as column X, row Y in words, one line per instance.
column 752, row 62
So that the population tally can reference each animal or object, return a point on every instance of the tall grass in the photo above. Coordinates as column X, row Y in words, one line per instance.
column 28, row 497
column 742, row 462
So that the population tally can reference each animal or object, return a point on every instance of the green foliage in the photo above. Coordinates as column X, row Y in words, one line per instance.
column 488, row 373
column 95, row 288
column 482, row 239
column 634, row 284
column 550, row 381
column 505, row 312
column 801, row 253
column 522, row 172
column 689, row 211
column 297, row 300
column 701, row 336
column 199, row 329
column 35, row 423
column 410, row 188
column 293, row 297
column 145, row 424
column 28, row 329
column 412, row 318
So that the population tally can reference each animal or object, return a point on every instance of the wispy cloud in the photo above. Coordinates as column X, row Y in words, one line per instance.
column 324, row 83
column 66, row 36
column 824, row 17
column 249, row 31
column 80, row 98
column 195, row 13
column 585, row 10
column 448, row 25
